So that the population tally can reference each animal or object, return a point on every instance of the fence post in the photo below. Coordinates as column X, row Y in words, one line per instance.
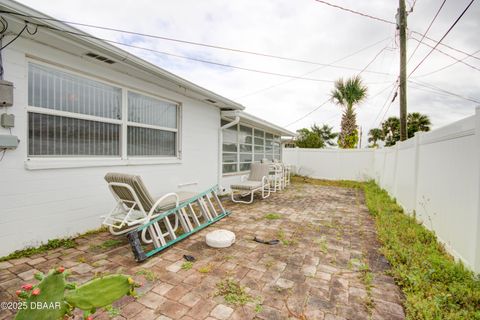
column 477, row 138
column 416, row 162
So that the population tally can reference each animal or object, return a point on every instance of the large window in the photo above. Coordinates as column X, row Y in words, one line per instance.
column 71, row 115
column 243, row 145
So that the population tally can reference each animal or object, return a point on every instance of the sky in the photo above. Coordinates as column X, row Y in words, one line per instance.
column 303, row 30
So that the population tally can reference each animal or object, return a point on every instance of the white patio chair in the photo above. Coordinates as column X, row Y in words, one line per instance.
column 135, row 206
column 257, row 181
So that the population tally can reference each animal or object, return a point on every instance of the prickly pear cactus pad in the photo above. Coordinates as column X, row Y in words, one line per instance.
column 100, row 292
column 44, row 301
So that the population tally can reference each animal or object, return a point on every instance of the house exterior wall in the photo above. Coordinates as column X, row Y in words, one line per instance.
column 435, row 174
column 39, row 204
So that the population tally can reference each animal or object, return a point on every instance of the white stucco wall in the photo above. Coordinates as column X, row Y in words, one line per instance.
column 435, row 174
column 37, row 205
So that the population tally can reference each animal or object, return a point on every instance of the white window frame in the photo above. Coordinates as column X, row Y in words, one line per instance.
column 54, row 161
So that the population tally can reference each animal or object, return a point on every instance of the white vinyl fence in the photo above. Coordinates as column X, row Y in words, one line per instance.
column 436, row 174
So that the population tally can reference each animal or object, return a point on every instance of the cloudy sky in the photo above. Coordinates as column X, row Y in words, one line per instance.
column 303, row 30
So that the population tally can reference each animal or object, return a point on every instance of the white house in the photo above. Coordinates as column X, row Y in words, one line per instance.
column 83, row 108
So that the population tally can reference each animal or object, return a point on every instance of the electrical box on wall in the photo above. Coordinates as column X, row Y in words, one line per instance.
column 7, row 120
column 8, row 141
column 6, row 93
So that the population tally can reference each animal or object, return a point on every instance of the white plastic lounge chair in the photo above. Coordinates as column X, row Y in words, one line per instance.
column 135, row 205
column 257, row 181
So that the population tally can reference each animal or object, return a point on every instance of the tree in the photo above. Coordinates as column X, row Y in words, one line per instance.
column 308, row 139
column 417, row 122
column 391, row 127
column 326, row 133
column 375, row 135
column 391, row 131
column 347, row 94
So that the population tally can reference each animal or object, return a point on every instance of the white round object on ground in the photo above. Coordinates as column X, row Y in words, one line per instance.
column 220, row 238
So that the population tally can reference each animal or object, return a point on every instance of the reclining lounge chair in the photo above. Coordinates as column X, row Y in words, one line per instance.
column 135, row 205
column 258, row 180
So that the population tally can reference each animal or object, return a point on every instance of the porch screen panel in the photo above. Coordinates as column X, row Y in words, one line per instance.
column 229, row 148
column 276, row 148
column 259, row 145
column 152, row 126
column 245, row 140
column 50, row 135
column 269, row 146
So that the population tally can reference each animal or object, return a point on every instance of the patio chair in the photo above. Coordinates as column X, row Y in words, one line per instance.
column 257, row 181
column 135, row 205
column 286, row 173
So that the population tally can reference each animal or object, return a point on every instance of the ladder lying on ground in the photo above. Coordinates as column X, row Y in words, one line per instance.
column 193, row 215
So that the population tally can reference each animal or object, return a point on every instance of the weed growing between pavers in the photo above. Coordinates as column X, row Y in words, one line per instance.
column 273, row 216
column 206, row 268
column 187, row 265
column 148, row 274
column 107, row 244
column 233, row 292
column 50, row 245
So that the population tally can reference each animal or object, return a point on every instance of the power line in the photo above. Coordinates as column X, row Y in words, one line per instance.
column 355, row 12
column 184, row 41
column 394, row 89
column 185, row 57
column 443, row 37
column 309, row 113
column 452, row 57
column 435, row 88
column 443, row 44
column 312, row 71
column 447, row 66
column 426, row 31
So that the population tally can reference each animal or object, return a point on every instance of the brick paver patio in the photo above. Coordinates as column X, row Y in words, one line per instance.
column 327, row 265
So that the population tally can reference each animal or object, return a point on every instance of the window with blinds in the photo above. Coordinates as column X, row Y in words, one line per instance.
column 71, row 115
column 243, row 145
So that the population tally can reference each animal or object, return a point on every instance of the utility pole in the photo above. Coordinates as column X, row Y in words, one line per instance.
column 402, row 26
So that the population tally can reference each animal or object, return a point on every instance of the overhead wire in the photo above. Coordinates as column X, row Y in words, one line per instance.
column 436, row 88
column 181, row 41
column 355, row 12
column 443, row 37
column 447, row 66
column 311, row 71
column 426, row 31
column 452, row 57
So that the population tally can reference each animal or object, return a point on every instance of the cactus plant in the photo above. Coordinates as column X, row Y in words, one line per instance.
column 49, row 301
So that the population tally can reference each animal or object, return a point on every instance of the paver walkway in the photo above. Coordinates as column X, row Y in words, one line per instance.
column 327, row 265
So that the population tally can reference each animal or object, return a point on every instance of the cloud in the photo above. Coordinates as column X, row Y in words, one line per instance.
column 302, row 29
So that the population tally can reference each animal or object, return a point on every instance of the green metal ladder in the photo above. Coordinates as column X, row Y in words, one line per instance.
column 193, row 215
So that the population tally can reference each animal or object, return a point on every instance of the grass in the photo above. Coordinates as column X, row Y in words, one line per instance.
column 273, row 216
column 50, row 245
column 187, row 265
column 434, row 284
column 233, row 292
column 107, row 244
column 148, row 274
column 206, row 268
column 284, row 240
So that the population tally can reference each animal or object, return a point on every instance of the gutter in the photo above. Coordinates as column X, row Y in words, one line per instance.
column 236, row 115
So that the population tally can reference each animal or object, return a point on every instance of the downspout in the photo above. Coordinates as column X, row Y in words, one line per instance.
column 236, row 120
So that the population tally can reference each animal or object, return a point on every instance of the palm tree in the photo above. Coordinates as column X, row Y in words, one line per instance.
column 347, row 94
column 417, row 122
column 375, row 135
column 326, row 133
column 391, row 131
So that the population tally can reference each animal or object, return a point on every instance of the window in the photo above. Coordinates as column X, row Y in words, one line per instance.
column 243, row 145
column 71, row 115
column 152, row 126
